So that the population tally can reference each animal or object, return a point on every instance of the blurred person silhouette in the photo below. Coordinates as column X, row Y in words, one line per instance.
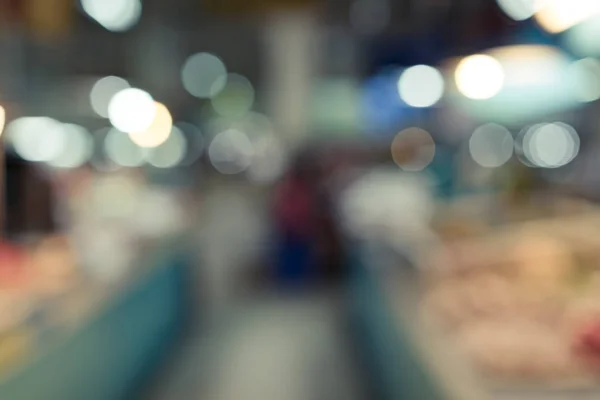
column 296, row 222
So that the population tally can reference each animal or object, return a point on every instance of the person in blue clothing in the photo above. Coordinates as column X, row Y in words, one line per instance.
column 295, row 222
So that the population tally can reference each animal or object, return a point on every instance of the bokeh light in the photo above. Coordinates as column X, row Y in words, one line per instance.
column 103, row 91
column 479, row 77
column 269, row 155
column 77, row 150
column 529, row 66
column 158, row 131
column 556, row 16
column 170, row 153
column 231, row 152
column 236, row 98
column 204, row 75
column 413, row 149
column 269, row 161
column 585, row 75
column 195, row 142
column 100, row 160
column 254, row 125
column 131, row 110
column 519, row 10
column 114, row 15
column 36, row 139
column 551, row 145
column 491, row 145
column 582, row 38
column 421, row 86
column 120, row 149
column 535, row 84
column 523, row 137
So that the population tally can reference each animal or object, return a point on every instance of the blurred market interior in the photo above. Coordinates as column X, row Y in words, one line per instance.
column 299, row 199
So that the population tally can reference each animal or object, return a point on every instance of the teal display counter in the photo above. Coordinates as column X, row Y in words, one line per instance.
column 409, row 359
column 397, row 371
column 112, row 354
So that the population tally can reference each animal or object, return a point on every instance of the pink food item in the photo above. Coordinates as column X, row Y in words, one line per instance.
column 517, row 349
column 13, row 265
column 587, row 344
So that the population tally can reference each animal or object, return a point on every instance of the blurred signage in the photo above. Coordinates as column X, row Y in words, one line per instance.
column 240, row 7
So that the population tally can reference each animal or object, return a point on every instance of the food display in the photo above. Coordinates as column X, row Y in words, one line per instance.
column 522, row 302
column 51, row 283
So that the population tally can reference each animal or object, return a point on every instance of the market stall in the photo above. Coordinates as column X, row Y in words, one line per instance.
column 90, row 311
column 498, row 310
column 120, row 339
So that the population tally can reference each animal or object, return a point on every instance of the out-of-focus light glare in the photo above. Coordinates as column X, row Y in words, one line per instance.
column 231, row 152
column 519, row 10
column 204, row 75
column 100, row 160
column 103, row 92
column 268, row 152
column 530, row 65
column 521, row 144
column 236, row 98
column 122, row 151
column 170, row 153
column 556, row 16
column 582, row 38
column 491, row 145
column 131, row 110
column 370, row 17
column 158, row 131
column 479, row 77
column 36, row 139
column 195, row 142
column 535, row 83
column 413, row 149
column 114, row 15
column 77, row 150
column 586, row 78
column 269, row 160
column 421, row 86
column 255, row 125
column 551, row 145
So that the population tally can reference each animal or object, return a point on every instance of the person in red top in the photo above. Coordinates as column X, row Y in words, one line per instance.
column 296, row 221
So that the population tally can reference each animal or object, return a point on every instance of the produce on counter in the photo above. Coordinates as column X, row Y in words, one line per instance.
column 54, row 266
column 587, row 343
column 523, row 303
column 13, row 265
column 520, row 348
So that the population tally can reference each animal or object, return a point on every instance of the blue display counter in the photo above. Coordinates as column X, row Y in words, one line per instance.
column 111, row 354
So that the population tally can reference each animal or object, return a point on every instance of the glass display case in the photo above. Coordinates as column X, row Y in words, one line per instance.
column 87, row 310
column 496, row 301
